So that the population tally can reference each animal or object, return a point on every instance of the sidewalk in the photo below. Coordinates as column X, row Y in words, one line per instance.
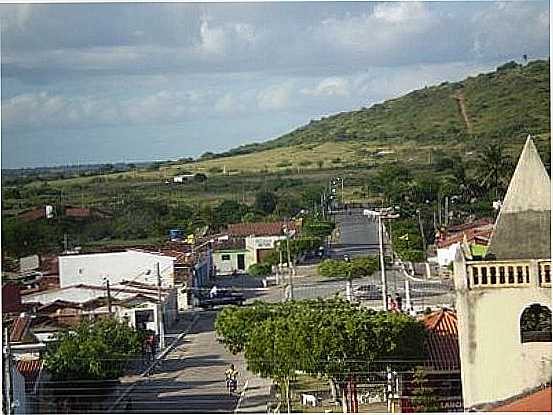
column 139, row 371
column 255, row 395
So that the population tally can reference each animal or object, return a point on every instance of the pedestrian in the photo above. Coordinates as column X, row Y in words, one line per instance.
column 213, row 292
column 392, row 306
column 398, row 302
column 412, row 312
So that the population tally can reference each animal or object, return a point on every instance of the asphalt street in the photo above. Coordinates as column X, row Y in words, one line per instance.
column 191, row 379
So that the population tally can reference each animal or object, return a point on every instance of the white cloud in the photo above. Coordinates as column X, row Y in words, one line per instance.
column 220, row 40
column 334, row 86
column 275, row 97
column 229, row 104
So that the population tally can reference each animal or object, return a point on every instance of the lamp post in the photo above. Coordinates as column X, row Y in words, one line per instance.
column 383, row 215
column 349, row 287
column 290, row 267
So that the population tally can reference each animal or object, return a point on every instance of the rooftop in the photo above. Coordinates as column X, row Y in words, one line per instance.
column 539, row 401
column 442, row 343
column 30, row 370
column 259, row 229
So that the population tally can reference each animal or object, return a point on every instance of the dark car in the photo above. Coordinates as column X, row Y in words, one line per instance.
column 367, row 292
column 223, row 297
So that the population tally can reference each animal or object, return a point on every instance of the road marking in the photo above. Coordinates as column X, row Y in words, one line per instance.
column 241, row 397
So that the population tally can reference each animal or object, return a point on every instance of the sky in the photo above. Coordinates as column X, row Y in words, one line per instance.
column 89, row 83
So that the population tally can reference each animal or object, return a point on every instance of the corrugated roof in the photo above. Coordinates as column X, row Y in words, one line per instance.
column 30, row 369
column 442, row 342
column 522, row 228
column 539, row 401
column 259, row 229
column 19, row 328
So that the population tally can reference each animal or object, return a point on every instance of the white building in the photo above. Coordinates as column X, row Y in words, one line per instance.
column 182, row 178
column 130, row 265
column 504, row 301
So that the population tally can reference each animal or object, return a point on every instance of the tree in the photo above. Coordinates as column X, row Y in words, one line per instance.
column 331, row 338
column 493, row 167
column 93, row 351
column 265, row 201
column 259, row 270
column 200, row 177
column 424, row 396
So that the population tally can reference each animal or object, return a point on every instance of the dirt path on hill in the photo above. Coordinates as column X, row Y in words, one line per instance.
column 460, row 98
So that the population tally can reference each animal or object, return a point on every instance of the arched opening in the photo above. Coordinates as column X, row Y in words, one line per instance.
column 535, row 324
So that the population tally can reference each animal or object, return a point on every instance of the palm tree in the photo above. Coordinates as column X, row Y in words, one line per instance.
column 493, row 166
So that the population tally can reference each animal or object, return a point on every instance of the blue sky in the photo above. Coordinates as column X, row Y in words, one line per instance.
column 87, row 83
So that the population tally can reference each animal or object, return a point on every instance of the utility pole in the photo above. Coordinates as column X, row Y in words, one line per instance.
column 446, row 214
column 160, row 316
column 65, row 243
column 108, row 293
column 8, row 382
column 382, row 265
column 422, row 232
column 290, row 267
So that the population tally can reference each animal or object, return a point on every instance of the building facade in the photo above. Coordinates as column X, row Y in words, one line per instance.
column 504, row 301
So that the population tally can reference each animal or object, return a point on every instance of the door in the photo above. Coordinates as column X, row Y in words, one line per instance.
column 241, row 262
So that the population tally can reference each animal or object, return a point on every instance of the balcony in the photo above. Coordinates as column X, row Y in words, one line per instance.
column 490, row 274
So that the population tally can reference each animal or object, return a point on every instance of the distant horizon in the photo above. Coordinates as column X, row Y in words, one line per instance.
column 95, row 83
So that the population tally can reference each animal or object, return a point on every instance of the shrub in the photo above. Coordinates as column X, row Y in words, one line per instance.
column 259, row 270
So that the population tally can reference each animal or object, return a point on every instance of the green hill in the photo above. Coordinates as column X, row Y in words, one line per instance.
column 508, row 103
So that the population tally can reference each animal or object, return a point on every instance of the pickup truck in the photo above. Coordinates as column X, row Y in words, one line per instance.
column 223, row 297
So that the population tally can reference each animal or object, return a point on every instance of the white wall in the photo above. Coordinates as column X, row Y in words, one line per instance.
column 136, row 266
column 495, row 365
column 227, row 267
column 447, row 255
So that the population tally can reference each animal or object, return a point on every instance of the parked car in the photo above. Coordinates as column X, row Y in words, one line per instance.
column 223, row 297
column 367, row 292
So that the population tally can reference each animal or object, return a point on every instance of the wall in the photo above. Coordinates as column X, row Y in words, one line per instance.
column 446, row 255
column 117, row 266
column 495, row 365
column 227, row 267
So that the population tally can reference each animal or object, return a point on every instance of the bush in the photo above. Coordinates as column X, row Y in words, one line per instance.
column 259, row 270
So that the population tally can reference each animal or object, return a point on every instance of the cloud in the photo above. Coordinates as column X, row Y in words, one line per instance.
column 222, row 39
column 275, row 97
column 334, row 86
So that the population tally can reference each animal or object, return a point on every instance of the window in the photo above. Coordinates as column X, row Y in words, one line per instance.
column 225, row 257
column 535, row 324
column 547, row 273
column 527, row 275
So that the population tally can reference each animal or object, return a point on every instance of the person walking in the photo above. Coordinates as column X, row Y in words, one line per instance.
column 398, row 302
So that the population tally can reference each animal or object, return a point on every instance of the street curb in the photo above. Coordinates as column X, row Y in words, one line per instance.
column 159, row 357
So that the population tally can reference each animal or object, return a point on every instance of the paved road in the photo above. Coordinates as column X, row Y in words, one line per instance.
column 357, row 235
column 191, row 377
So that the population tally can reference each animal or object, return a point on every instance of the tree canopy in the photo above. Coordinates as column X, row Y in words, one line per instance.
column 93, row 351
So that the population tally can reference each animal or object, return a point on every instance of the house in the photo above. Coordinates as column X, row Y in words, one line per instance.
column 26, row 378
column 230, row 256
column 44, row 212
column 442, row 366
column 135, row 302
column 260, row 238
column 131, row 264
column 476, row 235
column 503, row 301
column 183, row 178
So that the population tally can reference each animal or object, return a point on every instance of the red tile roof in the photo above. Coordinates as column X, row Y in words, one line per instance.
column 464, row 226
column 536, row 402
column 19, row 328
column 30, row 369
column 442, row 343
column 259, row 229
column 473, row 235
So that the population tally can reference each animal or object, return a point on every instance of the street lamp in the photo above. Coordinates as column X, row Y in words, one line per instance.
column 291, row 270
column 349, row 287
column 383, row 214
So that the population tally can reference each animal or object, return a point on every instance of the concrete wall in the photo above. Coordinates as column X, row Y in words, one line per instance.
column 117, row 266
column 228, row 267
column 495, row 365
column 447, row 255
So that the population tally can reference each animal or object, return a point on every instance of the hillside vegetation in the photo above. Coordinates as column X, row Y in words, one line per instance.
column 509, row 103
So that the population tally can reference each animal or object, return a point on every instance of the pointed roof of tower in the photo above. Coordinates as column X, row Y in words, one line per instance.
column 523, row 226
